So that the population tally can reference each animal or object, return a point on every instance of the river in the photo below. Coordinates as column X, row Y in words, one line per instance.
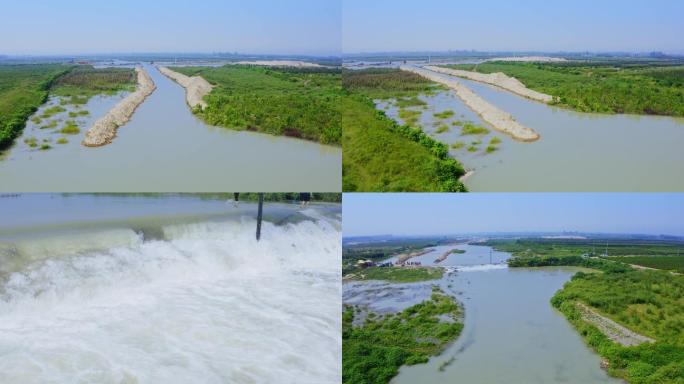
column 511, row 332
column 576, row 151
column 165, row 148
column 167, row 289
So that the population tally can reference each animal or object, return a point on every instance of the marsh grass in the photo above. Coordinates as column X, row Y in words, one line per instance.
column 45, row 147
column 410, row 102
column 442, row 128
column 31, row 142
column 495, row 140
column 491, row 148
column 473, row 129
column 458, row 145
column 62, row 140
column 71, row 128
column 410, row 117
column 444, row 115
column 49, row 112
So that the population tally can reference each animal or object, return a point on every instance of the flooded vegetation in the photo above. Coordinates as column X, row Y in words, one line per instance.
column 383, row 155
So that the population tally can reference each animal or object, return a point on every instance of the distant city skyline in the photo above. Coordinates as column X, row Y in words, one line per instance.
column 87, row 27
column 419, row 214
column 500, row 25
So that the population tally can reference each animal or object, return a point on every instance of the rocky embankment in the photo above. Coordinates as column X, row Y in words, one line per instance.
column 104, row 129
column 499, row 119
column 195, row 87
column 611, row 329
column 498, row 79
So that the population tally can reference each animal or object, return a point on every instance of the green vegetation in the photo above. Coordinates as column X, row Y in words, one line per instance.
column 458, row 145
column 473, row 129
column 388, row 84
column 410, row 117
column 62, row 140
column 45, row 147
column 380, row 251
column 296, row 102
column 491, row 148
column 444, row 115
column 381, row 155
column 51, row 124
column 668, row 263
column 650, row 303
column 457, row 123
column 23, row 88
column 83, row 82
column 83, row 113
column 442, row 128
column 641, row 88
column 31, row 142
column 373, row 353
column 472, row 148
column 71, row 128
column 399, row 274
column 410, row 102
column 495, row 141
column 49, row 112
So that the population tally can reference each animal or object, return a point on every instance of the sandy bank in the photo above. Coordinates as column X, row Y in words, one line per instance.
column 498, row 79
column 499, row 119
column 195, row 87
column 611, row 329
column 104, row 130
column 529, row 59
column 403, row 258
column 281, row 63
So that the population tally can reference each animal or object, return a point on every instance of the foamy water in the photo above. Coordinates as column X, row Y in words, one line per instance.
column 208, row 304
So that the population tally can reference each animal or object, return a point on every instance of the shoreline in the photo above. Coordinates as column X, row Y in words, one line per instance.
column 104, row 130
column 281, row 63
column 196, row 87
column 497, row 118
column 498, row 79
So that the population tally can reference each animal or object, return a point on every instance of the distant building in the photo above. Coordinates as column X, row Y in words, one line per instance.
column 365, row 263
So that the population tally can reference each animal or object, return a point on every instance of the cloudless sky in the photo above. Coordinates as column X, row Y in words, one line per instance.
column 311, row 27
column 505, row 25
column 443, row 213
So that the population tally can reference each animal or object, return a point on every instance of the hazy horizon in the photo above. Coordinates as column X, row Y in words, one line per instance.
column 86, row 27
column 426, row 214
column 499, row 26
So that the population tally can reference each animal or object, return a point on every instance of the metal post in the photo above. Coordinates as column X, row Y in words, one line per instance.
column 259, row 213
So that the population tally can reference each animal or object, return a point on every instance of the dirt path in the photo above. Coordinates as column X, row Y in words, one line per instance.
column 497, row 118
column 611, row 329
column 195, row 87
column 498, row 79
column 103, row 131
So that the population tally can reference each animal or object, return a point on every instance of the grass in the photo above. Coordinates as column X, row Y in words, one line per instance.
column 399, row 275
column 669, row 263
column 23, row 88
column 70, row 128
column 410, row 102
column 458, row 145
column 410, row 117
column 491, row 148
column 473, row 148
column 62, row 140
column 45, row 147
column 380, row 155
column 601, row 87
column 650, row 303
column 442, row 128
column 49, row 112
column 83, row 82
column 51, row 124
column 387, row 84
column 302, row 103
column 373, row 353
column 31, row 142
column 473, row 129
column 495, row 141
column 444, row 115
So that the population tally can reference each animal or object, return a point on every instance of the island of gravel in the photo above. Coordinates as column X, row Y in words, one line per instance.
column 104, row 129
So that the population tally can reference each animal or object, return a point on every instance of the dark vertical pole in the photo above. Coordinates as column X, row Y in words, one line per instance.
column 259, row 213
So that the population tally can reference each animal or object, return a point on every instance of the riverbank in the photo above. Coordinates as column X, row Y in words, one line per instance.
column 497, row 79
column 497, row 118
column 281, row 63
column 196, row 87
column 104, row 130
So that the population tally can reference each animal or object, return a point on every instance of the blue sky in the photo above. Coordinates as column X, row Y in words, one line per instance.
column 496, row 25
column 311, row 27
column 434, row 214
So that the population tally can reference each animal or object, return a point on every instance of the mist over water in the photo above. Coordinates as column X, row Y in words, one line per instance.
column 204, row 302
